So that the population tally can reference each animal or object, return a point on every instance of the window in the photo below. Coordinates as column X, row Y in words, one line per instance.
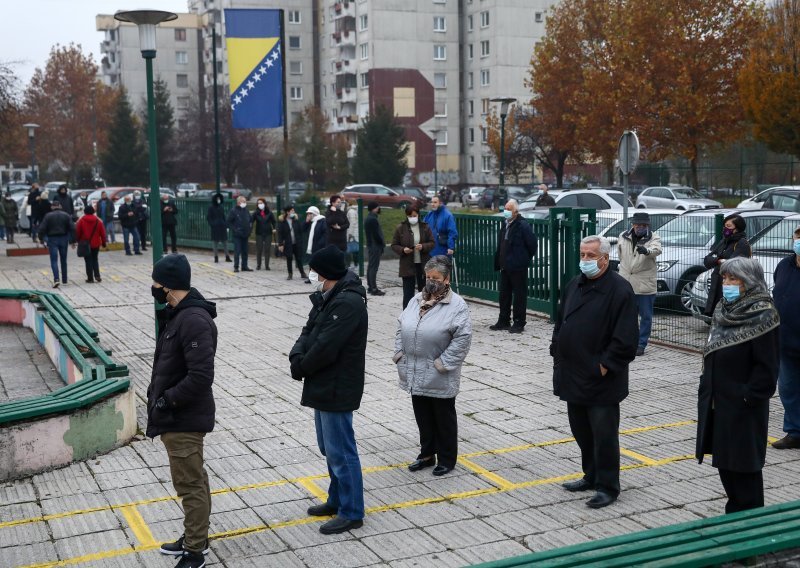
column 296, row 93
column 440, row 80
column 471, row 107
column 363, row 22
column 181, row 58
column 364, row 47
column 469, row 51
column 486, row 163
column 485, row 19
column 295, row 67
column 294, row 16
column 439, row 108
column 472, row 163
column 439, row 52
column 182, row 80
column 538, row 17
column 439, row 24
column 484, row 77
column 568, row 201
column 471, row 136
column 440, row 1
column 183, row 102
column 180, row 34
column 469, row 23
column 441, row 138
column 484, row 134
column 484, row 106
column 364, row 80
column 470, row 80
column 294, row 42
column 485, row 48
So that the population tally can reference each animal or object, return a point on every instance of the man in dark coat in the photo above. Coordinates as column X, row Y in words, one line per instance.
column 330, row 355
column 290, row 236
column 64, row 198
column 516, row 246
column 10, row 213
column 734, row 244
column 545, row 199
column 169, row 222
column 33, row 200
column 180, row 401
column 337, row 222
column 215, row 217
column 57, row 231
column 594, row 341
column 105, row 212
column 129, row 220
column 142, row 214
column 241, row 225
column 375, row 247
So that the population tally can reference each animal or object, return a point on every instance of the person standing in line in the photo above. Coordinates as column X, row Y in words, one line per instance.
column 265, row 223
column 594, row 341
column 787, row 299
column 90, row 228
column 290, row 233
column 412, row 242
column 734, row 244
column 443, row 227
column 375, row 247
column 169, row 222
column 57, row 231
column 317, row 228
column 129, row 220
column 180, row 400
column 330, row 355
column 516, row 246
column 81, row 202
column 64, row 198
column 33, row 209
column 215, row 217
column 105, row 211
column 545, row 199
column 10, row 216
column 638, row 249
column 241, row 226
column 337, row 222
column 142, row 214
column 740, row 372
column 353, row 240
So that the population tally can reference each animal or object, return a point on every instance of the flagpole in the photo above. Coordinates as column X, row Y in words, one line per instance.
column 285, row 115
column 216, row 108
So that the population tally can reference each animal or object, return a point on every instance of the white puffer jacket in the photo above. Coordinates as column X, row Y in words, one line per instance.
column 637, row 268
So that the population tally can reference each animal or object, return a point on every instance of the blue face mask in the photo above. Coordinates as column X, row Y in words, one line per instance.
column 506, row 213
column 589, row 268
column 730, row 292
column 797, row 247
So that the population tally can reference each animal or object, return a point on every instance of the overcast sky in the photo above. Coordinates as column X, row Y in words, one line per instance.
column 31, row 27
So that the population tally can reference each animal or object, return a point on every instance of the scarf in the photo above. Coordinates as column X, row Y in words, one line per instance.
column 311, row 233
column 430, row 300
column 737, row 322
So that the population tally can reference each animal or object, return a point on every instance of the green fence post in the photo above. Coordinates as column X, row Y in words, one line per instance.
column 719, row 226
column 360, row 205
column 555, row 265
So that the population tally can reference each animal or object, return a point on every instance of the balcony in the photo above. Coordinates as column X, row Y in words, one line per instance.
column 343, row 67
column 347, row 38
column 347, row 95
column 344, row 10
column 346, row 123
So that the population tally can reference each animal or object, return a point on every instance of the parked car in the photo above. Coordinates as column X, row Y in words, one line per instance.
column 52, row 186
column 472, row 196
column 530, row 202
column 487, row 198
column 757, row 201
column 413, row 191
column 430, row 192
column 380, row 194
column 674, row 197
column 187, row 189
column 599, row 199
column 784, row 200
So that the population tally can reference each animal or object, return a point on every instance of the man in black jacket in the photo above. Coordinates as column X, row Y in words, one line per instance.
column 129, row 220
column 330, row 355
column 594, row 341
column 142, row 213
column 57, row 231
column 64, row 198
column 180, row 402
column 516, row 246
column 375, row 247
column 169, row 221
column 290, row 236
column 241, row 225
column 337, row 222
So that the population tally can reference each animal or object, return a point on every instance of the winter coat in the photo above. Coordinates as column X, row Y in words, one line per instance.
column 637, row 268
column 90, row 228
column 183, row 368
column 443, row 227
column 35, row 204
column 264, row 221
column 320, row 237
column 169, row 213
column 787, row 299
column 66, row 203
column 733, row 403
column 731, row 247
column 352, row 218
column 57, row 224
column 285, row 235
column 430, row 350
column 127, row 216
column 10, row 212
column 105, row 210
column 332, row 347
column 239, row 222
column 215, row 216
column 515, row 252
column 338, row 236
column 140, row 208
column 373, row 232
column 404, row 238
column 597, row 323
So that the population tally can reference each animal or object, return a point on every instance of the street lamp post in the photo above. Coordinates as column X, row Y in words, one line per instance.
column 435, row 132
column 505, row 102
column 31, row 127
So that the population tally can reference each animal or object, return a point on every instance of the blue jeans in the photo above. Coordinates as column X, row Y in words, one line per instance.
column 133, row 231
column 789, row 390
column 646, row 305
column 110, row 230
column 57, row 246
column 337, row 442
column 2, row 231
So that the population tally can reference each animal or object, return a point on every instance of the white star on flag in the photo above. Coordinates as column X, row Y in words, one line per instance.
column 244, row 92
column 233, row 107
column 237, row 99
column 262, row 69
column 275, row 55
column 269, row 62
column 250, row 84
column 257, row 77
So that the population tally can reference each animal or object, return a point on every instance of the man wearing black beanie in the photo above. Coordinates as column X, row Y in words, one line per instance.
column 180, row 402
column 330, row 355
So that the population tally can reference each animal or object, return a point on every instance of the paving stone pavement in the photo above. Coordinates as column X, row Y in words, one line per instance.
column 503, row 499
column 26, row 370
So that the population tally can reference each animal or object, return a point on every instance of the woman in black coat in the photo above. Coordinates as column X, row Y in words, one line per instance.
column 734, row 244
column 264, row 222
column 219, row 227
column 740, row 372
column 290, row 240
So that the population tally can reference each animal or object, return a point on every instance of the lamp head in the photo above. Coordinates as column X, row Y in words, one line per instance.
column 146, row 20
column 505, row 102
column 31, row 129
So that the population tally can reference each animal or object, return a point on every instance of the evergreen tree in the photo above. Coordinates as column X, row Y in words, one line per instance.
column 340, row 174
column 124, row 160
column 380, row 150
column 310, row 142
column 165, row 130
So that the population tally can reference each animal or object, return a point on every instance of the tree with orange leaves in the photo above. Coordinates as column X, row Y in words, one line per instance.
column 519, row 154
column 770, row 79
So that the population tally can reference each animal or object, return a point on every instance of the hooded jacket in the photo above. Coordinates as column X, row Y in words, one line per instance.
column 10, row 212
column 637, row 268
column 215, row 216
column 317, row 230
column 443, row 227
column 66, row 202
column 183, row 368
column 332, row 347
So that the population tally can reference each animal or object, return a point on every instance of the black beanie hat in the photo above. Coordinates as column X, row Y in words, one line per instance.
column 738, row 221
column 173, row 272
column 88, row 210
column 372, row 205
column 328, row 263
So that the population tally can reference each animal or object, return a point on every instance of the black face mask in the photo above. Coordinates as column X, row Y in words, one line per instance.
column 159, row 294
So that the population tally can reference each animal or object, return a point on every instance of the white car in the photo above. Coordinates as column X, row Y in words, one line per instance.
column 675, row 197
column 757, row 201
column 187, row 189
column 599, row 199
column 472, row 196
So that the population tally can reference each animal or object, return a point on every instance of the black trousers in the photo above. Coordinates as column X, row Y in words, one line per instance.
column 413, row 284
column 92, row 265
column 297, row 255
column 142, row 226
column 170, row 230
column 513, row 283
column 374, row 261
column 438, row 428
column 744, row 490
column 596, row 429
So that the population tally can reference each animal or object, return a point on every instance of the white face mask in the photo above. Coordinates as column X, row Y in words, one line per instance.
column 413, row 220
column 243, row 205
column 261, row 206
column 316, row 283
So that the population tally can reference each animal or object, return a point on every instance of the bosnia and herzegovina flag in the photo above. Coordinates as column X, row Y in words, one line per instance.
column 255, row 67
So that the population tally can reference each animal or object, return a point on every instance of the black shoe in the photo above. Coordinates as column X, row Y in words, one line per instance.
column 176, row 548
column 579, row 485
column 323, row 510
column 307, row 281
column 422, row 464
column 236, row 270
column 191, row 560
column 639, row 351
column 516, row 328
column 788, row 442
column 216, row 258
column 89, row 281
column 144, row 249
column 340, row 525
column 289, row 277
column 440, row 470
column 138, row 253
column 99, row 279
column 258, row 267
column 228, row 259
column 601, row 499
column 56, row 284
column 303, row 275
column 377, row 292
column 500, row 326
column 128, row 254
column 266, row 268
column 246, row 269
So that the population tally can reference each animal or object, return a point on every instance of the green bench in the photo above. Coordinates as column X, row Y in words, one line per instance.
column 705, row 542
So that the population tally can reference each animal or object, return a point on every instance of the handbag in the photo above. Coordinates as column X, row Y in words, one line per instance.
column 352, row 246
column 84, row 245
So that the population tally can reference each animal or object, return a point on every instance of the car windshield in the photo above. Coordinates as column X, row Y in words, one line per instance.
column 688, row 231
column 602, row 222
column 686, row 193
column 779, row 238
column 620, row 198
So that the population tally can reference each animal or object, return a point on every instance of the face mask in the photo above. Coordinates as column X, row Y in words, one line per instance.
column 261, row 206
column 507, row 214
column 727, row 233
column 797, row 247
column 293, row 215
column 640, row 231
column 159, row 294
column 434, row 287
column 589, row 267
column 243, row 205
column 413, row 220
column 730, row 292
column 316, row 283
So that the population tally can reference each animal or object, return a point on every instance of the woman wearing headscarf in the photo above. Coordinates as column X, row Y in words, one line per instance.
column 740, row 372
column 90, row 228
column 219, row 227
column 265, row 224
column 433, row 337
column 734, row 244
column 412, row 242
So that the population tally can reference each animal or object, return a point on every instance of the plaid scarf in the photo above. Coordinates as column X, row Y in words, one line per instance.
column 429, row 300
column 746, row 318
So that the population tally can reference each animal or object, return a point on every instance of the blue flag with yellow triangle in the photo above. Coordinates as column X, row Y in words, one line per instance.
column 255, row 67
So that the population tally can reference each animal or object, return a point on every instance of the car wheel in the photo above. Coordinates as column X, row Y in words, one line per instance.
column 684, row 294
column 680, row 208
column 642, row 206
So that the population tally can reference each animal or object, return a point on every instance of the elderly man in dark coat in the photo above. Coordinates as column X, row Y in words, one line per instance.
column 336, row 218
column 594, row 341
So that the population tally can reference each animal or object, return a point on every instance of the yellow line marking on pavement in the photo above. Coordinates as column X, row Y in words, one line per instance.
column 138, row 525
column 314, row 489
column 44, row 272
column 85, row 558
column 116, row 278
column 637, row 456
column 500, row 482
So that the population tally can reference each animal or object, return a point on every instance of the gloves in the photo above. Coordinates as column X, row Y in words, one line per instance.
column 296, row 369
column 642, row 250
